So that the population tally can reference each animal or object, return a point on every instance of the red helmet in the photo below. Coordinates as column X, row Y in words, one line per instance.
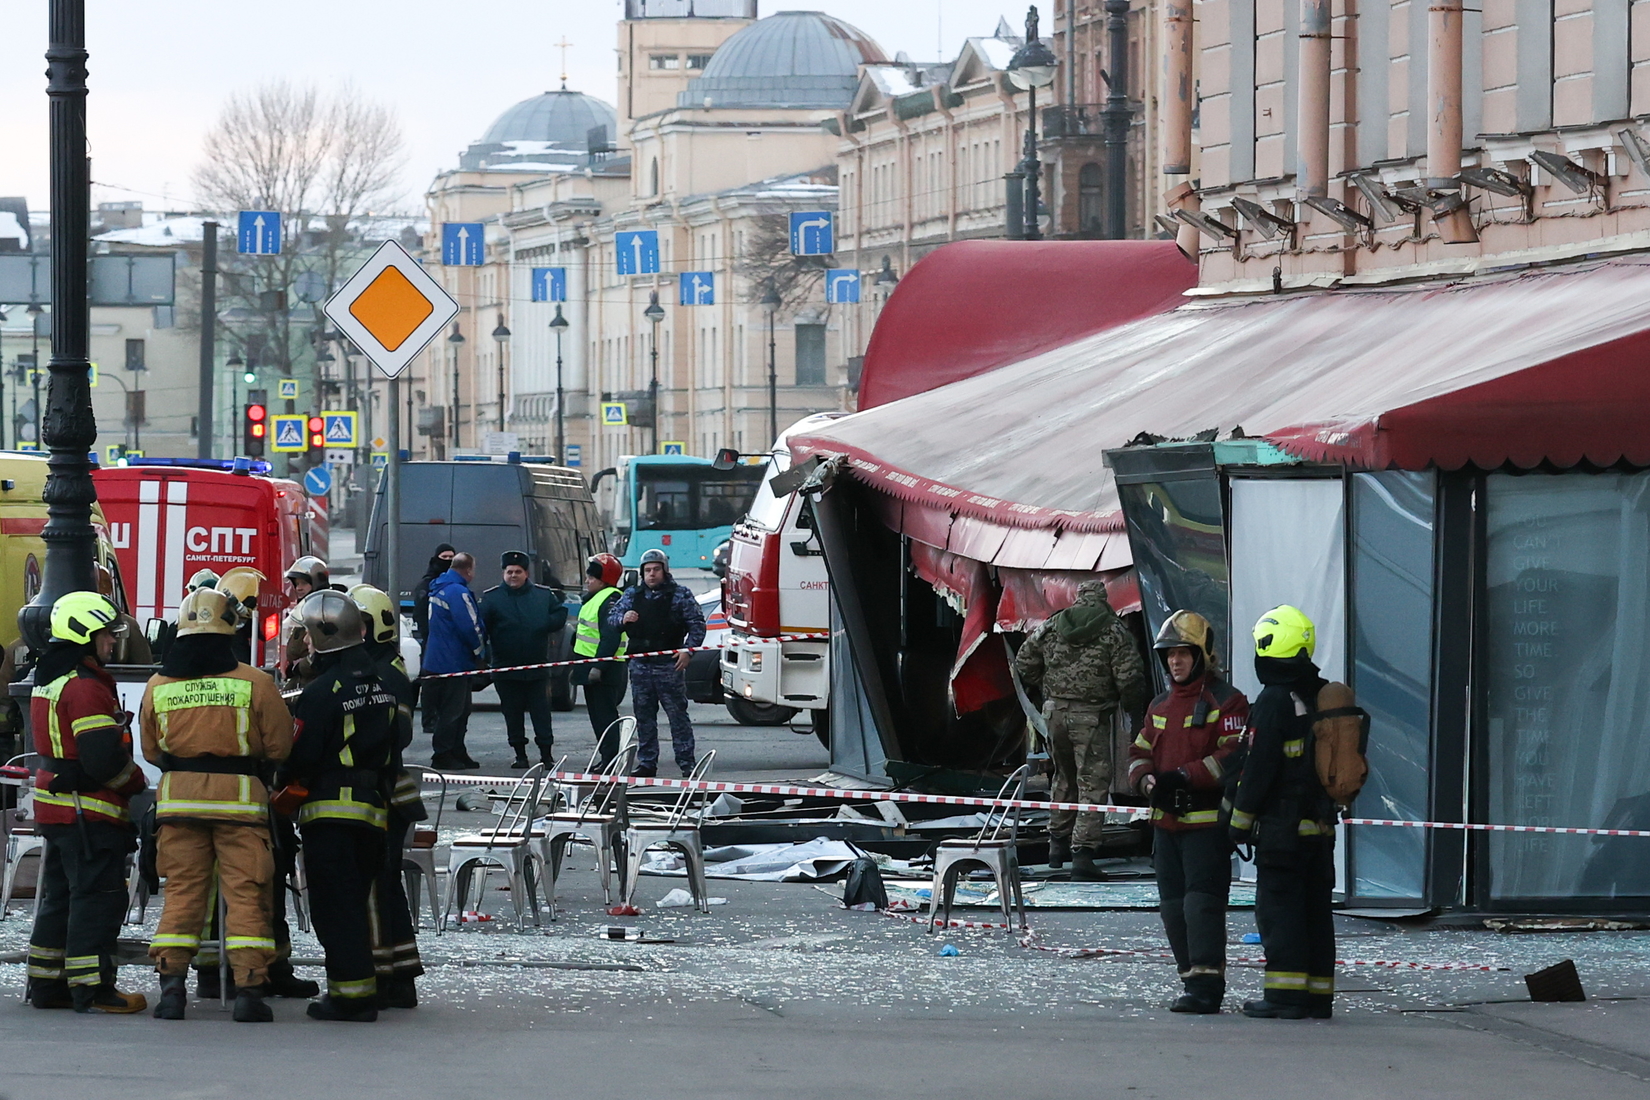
column 606, row 568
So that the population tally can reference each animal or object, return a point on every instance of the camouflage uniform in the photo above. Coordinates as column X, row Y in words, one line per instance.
column 1086, row 663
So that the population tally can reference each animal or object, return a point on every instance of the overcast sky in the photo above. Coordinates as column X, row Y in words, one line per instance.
column 160, row 70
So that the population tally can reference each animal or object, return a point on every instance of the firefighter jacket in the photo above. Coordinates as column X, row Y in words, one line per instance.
column 299, row 670
column 1279, row 798
column 1197, row 728
column 343, row 747
column 392, row 673
column 84, row 739
column 1085, row 654
column 214, row 737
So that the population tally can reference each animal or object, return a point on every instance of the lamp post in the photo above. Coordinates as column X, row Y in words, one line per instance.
column 770, row 301
column 1032, row 66
column 654, row 313
column 501, row 337
column 558, row 325
column 1116, row 115
column 455, row 340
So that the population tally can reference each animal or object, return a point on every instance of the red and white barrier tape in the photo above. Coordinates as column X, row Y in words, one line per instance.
column 732, row 643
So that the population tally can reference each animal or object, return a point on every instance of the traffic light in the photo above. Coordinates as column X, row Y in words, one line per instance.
column 256, row 422
column 317, row 441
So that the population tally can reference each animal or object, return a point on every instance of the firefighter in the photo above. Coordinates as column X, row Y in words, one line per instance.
column 604, row 683
column 1181, row 761
column 213, row 724
column 335, row 779
column 82, row 797
column 307, row 574
column 1084, row 660
column 1281, row 808
column 394, row 938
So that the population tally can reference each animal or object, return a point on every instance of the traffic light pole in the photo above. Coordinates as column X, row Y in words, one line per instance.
column 392, row 499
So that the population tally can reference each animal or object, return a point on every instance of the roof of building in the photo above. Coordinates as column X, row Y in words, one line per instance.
column 795, row 59
column 560, row 119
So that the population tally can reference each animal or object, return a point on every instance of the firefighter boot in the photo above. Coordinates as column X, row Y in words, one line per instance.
column 47, row 993
column 1059, row 850
column 250, row 1007
column 209, row 983
column 1203, row 994
column 174, row 997
column 1272, row 1010
column 284, row 983
column 1083, row 868
column 106, row 998
column 397, row 993
column 357, row 1010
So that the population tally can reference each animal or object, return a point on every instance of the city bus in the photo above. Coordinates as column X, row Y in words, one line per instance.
column 680, row 504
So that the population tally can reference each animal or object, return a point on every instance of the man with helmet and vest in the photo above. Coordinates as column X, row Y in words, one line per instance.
column 657, row 616
column 1282, row 809
column 604, row 682
column 337, row 781
column 1084, row 660
column 307, row 574
column 520, row 617
column 215, row 726
column 394, row 938
column 1183, row 760
column 82, row 805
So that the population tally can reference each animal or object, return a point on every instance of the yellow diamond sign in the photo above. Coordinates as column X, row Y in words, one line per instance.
column 391, row 308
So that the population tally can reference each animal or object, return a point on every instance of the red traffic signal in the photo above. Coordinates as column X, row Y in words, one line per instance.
column 256, row 428
column 317, row 433
column 256, row 413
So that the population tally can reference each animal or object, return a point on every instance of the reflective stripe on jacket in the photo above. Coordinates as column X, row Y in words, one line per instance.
column 237, row 714
column 587, row 636
column 83, row 704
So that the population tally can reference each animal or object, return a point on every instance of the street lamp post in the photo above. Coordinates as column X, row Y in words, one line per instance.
column 558, row 325
column 501, row 337
column 455, row 340
column 654, row 313
column 1032, row 66
column 771, row 301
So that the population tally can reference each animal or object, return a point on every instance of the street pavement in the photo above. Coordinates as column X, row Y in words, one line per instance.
column 782, row 992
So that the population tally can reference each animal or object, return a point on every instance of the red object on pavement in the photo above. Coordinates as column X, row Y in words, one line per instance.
column 624, row 911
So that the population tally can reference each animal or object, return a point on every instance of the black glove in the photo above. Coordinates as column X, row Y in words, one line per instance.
column 71, row 778
column 1240, row 838
column 1167, row 785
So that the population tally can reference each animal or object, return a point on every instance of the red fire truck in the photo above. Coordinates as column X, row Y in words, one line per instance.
column 169, row 518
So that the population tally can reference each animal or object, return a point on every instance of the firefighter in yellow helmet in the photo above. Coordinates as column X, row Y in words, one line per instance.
column 1281, row 808
column 215, row 726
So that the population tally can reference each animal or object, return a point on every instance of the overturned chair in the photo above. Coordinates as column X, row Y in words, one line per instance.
column 995, row 847
column 679, row 830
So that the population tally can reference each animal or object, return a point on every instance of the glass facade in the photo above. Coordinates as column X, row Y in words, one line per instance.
column 1177, row 531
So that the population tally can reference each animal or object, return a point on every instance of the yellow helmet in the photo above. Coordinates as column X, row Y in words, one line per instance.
column 383, row 624
column 79, row 615
column 207, row 611
column 240, row 584
column 1285, row 632
column 1188, row 628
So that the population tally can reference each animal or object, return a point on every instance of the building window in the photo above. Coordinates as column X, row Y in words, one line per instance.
column 653, row 177
column 698, row 60
column 810, row 355
column 1090, row 198
column 134, row 355
column 664, row 61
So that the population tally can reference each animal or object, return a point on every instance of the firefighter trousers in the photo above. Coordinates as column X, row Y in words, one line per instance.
column 1080, row 749
column 343, row 861
column 196, row 858
column 394, row 939
column 1294, row 890
column 81, row 902
column 1194, row 879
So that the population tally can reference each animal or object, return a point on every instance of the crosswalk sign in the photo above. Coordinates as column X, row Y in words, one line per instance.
column 289, row 389
column 287, row 431
column 673, row 447
column 339, row 428
column 614, row 415
column 380, row 459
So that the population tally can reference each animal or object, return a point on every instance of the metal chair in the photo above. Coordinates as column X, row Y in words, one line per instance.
column 22, row 841
column 990, row 848
column 509, row 846
column 600, row 819
column 679, row 830
column 418, row 859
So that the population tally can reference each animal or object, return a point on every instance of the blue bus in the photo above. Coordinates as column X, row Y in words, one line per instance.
column 680, row 504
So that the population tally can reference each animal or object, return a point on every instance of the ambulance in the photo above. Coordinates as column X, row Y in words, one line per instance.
column 170, row 517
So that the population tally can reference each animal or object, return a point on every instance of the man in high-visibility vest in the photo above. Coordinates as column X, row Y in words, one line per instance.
column 604, row 684
column 214, row 725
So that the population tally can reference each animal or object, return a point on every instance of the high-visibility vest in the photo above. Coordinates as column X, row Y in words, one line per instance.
column 587, row 636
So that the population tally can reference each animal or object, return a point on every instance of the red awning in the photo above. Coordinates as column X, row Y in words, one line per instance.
column 973, row 306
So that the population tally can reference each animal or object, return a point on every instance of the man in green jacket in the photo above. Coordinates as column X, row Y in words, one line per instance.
column 521, row 618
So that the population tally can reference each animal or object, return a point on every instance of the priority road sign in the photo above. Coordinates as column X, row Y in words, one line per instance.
column 259, row 233
column 462, row 244
column 614, row 415
column 289, row 389
column 549, row 284
column 318, row 481
column 287, row 433
column 574, row 456
column 697, row 288
column 812, row 233
column 841, row 287
column 391, row 308
column 637, row 253
column 339, row 428
column 673, row 447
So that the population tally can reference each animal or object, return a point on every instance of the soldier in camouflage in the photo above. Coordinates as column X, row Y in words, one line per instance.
column 1085, row 661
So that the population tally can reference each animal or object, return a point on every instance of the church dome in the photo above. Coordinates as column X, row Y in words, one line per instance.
column 562, row 119
column 795, row 59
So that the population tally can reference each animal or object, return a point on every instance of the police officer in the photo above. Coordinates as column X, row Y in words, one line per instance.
column 307, row 574
column 213, row 725
column 658, row 616
column 604, row 683
column 394, row 939
column 82, row 796
column 1282, row 809
column 336, row 779
column 1181, row 761
column 521, row 618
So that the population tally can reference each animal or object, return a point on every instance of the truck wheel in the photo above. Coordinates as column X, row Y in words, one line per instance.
column 561, row 690
column 747, row 713
column 822, row 727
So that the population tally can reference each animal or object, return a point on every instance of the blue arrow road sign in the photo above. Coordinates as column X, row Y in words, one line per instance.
column 812, row 233
column 259, row 233
column 697, row 288
column 318, row 482
column 461, row 244
column 549, row 284
column 637, row 253
column 841, row 287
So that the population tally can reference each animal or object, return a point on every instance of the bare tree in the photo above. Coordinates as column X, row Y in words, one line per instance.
column 767, row 263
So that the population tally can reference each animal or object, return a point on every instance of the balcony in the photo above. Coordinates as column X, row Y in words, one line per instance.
column 1069, row 120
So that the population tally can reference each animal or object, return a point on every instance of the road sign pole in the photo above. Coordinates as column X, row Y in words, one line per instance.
column 209, row 337
column 392, row 500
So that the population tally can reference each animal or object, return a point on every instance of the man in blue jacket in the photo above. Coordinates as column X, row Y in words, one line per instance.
column 456, row 643
column 657, row 616
column 521, row 618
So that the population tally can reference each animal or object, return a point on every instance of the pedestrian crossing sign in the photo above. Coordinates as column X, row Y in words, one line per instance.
column 289, row 389
column 287, row 431
column 672, row 447
column 339, row 428
column 380, row 459
column 614, row 414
